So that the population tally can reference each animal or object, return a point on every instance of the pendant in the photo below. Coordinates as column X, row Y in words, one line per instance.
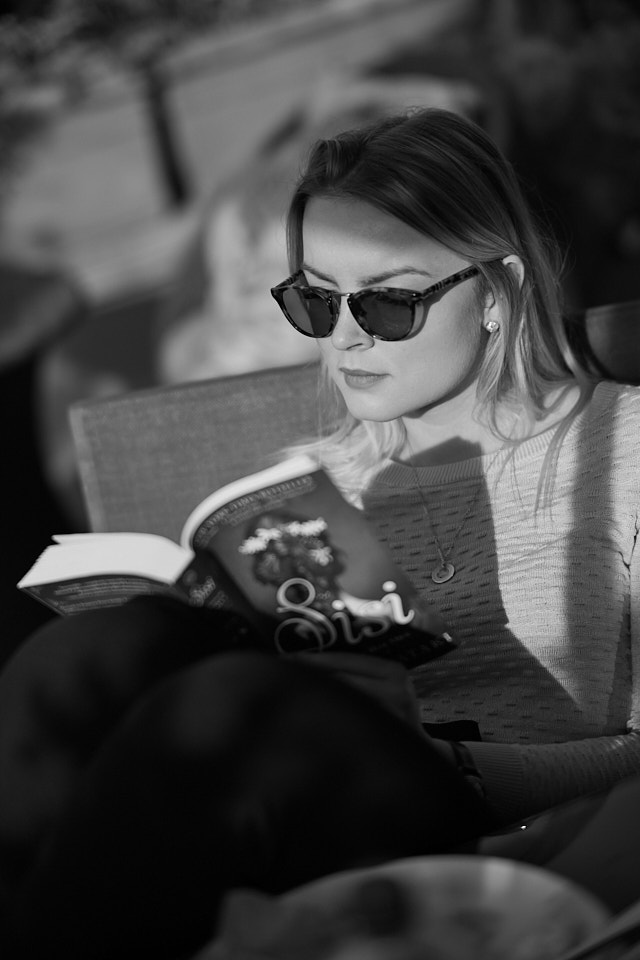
column 443, row 573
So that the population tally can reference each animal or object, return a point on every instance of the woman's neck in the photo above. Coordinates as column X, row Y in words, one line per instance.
column 454, row 432
column 447, row 433
column 435, row 448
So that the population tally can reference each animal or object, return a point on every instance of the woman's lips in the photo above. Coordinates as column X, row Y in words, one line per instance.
column 361, row 379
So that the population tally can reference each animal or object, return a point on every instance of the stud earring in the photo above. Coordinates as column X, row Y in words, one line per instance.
column 491, row 326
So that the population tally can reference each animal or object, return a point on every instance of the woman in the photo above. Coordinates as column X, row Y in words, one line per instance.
column 503, row 479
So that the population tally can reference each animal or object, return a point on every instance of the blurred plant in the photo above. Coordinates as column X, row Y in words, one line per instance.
column 561, row 87
column 25, row 103
column 572, row 82
column 59, row 51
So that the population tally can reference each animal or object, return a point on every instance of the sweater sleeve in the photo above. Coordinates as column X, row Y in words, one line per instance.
column 522, row 780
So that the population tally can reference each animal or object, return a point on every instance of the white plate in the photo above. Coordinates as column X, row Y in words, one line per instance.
column 485, row 908
column 456, row 908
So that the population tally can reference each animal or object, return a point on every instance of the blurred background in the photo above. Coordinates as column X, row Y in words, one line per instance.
column 147, row 151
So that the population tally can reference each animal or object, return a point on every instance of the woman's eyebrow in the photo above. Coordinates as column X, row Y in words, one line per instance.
column 316, row 273
column 374, row 278
column 396, row 272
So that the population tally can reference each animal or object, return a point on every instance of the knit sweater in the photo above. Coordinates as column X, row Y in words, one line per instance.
column 544, row 604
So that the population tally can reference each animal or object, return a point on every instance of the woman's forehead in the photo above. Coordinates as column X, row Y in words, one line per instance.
column 356, row 236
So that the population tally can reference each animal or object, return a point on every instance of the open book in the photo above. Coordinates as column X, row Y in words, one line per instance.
column 280, row 548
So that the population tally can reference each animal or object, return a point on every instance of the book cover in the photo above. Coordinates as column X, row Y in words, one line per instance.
column 312, row 569
column 282, row 548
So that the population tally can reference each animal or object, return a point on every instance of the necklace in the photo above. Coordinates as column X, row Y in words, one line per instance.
column 445, row 569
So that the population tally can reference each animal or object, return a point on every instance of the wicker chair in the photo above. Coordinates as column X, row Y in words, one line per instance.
column 148, row 457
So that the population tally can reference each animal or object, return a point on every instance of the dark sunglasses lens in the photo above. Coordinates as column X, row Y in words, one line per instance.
column 385, row 315
column 308, row 311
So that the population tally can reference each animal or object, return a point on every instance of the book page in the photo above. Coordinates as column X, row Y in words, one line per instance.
column 134, row 554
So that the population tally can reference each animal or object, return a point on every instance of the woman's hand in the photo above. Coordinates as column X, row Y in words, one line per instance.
column 385, row 680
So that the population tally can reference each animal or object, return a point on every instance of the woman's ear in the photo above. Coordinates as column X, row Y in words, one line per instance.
column 515, row 264
column 492, row 315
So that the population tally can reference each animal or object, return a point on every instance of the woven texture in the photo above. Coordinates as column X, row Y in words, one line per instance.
column 147, row 458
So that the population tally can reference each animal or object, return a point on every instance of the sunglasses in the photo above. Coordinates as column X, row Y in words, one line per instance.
column 385, row 313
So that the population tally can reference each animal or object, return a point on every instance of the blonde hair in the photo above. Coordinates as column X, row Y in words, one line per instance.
column 441, row 174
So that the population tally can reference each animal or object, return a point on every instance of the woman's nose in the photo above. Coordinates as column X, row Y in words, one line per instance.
column 347, row 332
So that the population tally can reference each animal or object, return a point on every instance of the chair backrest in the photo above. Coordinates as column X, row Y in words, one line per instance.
column 148, row 457
column 608, row 337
